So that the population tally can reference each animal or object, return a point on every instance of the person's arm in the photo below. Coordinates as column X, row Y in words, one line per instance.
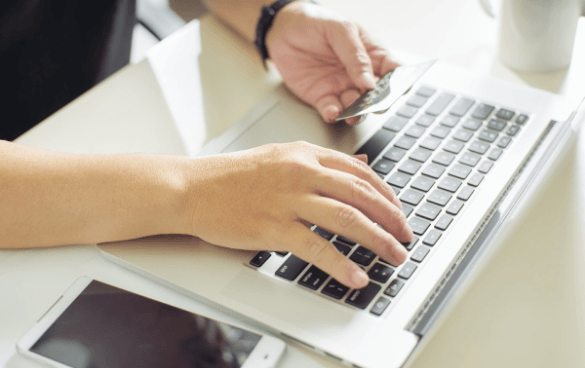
column 262, row 199
column 326, row 59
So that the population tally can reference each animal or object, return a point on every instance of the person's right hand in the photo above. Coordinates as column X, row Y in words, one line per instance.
column 267, row 198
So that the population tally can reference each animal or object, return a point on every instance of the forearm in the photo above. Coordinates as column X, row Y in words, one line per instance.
column 50, row 198
column 240, row 15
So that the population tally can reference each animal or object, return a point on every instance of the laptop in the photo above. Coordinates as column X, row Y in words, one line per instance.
column 461, row 151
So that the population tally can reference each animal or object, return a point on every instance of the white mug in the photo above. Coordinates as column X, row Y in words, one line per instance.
column 536, row 36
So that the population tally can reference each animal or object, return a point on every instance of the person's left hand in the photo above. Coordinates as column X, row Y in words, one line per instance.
column 325, row 59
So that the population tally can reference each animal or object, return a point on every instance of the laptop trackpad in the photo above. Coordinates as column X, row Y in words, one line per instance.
column 287, row 306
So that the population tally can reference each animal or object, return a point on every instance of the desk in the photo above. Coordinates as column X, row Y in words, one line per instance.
column 523, row 312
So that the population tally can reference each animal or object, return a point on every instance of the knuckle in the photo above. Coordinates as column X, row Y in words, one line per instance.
column 362, row 191
column 345, row 216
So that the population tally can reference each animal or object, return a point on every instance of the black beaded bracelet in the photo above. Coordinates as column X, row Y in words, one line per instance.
column 265, row 22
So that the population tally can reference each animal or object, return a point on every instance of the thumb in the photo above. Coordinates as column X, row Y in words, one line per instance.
column 345, row 40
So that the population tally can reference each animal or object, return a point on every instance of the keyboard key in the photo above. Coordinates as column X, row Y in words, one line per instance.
column 420, row 154
column 453, row 146
column 450, row 121
column 395, row 123
column 444, row 222
column 439, row 197
column 443, row 158
column 420, row 253
column 380, row 273
column 497, row 125
column 450, row 184
column 463, row 135
column 418, row 226
column 479, row 147
column 282, row 254
column 409, row 167
column 260, row 258
column 323, row 233
column 482, row 111
column 407, row 270
column 488, row 135
column 504, row 141
column 415, row 131
column 410, row 244
column 513, row 130
column 394, row 154
column 460, row 171
column 521, row 119
column 440, row 132
column 416, row 101
column 485, row 167
column 396, row 190
column 461, row 107
column 362, row 256
column 291, row 268
column 430, row 143
column 346, row 240
column 433, row 170
column 475, row 179
column 405, row 142
column 376, row 144
column 335, row 289
column 495, row 154
column 361, row 298
column 313, row 278
column 505, row 114
column 383, row 166
column 425, row 120
column 433, row 237
column 399, row 179
column 423, row 184
column 472, row 124
column 407, row 210
column 440, row 104
column 469, row 158
column 425, row 91
column 454, row 207
column 407, row 111
column 342, row 248
column 465, row 193
column 394, row 287
column 380, row 306
column 428, row 211
column 412, row 197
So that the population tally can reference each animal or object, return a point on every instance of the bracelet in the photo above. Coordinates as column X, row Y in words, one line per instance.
column 265, row 22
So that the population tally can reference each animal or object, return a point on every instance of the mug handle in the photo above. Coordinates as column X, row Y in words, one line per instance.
column 488, row 7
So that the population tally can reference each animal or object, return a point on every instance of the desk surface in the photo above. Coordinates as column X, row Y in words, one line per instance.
column 526, row 311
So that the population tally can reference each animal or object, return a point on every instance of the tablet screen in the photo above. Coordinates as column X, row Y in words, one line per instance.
column 110, row 327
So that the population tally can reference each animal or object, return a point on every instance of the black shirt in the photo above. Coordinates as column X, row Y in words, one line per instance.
column 51, row 51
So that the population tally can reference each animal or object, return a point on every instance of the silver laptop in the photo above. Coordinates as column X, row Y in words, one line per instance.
column 460, row 151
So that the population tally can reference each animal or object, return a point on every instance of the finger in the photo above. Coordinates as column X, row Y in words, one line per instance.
column 361, row 195
column 344, row 38
column 342, row 162
column 314, row 249
column 329, row 107
column 343, row 219
column 347, row 98
column 381, row 58
column 363, row 157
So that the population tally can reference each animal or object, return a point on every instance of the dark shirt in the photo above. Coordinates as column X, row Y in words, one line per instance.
column 51, row 51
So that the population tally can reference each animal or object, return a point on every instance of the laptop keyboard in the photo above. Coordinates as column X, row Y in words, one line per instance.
column 435, row 152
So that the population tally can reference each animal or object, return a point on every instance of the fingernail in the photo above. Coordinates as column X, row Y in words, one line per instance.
column 359, row 277
column 369, row 79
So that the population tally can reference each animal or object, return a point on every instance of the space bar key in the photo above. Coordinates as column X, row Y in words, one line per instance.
column 376, row 144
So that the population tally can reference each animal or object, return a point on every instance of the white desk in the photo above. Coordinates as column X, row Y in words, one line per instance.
column 527, row 311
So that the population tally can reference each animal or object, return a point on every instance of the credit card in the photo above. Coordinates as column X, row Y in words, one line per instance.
column 388, row 89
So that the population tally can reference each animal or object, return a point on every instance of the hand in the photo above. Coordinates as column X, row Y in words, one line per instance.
column 326, row 60
column 267, row 198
